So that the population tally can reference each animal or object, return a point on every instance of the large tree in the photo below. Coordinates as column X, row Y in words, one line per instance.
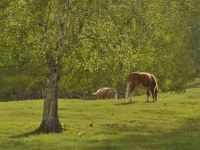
column 45, row 32
column 94, row 43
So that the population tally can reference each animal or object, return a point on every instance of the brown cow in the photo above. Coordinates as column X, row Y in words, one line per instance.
column 106, row 93
column 147, row 80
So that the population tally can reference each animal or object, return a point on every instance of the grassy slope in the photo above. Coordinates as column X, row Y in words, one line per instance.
column 172, row 123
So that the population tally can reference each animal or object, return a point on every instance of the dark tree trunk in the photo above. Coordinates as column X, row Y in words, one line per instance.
column 50, row 122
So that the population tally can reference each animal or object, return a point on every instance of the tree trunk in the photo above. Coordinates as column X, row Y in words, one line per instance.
column 50, row 122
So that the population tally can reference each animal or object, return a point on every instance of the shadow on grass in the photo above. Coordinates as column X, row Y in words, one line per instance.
column 194, row 97
column 35, row 132
column 23, row 135
column 143, row 137
column 123, row 135
column 7, row 100
column 126, row 103
column 134, row 102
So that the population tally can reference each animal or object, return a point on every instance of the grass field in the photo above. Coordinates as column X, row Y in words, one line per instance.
column 171, row 124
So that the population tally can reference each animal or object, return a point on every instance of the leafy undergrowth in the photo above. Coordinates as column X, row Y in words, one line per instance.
column 171, row 124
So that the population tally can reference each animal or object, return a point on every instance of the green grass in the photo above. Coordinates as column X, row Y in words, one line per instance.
column 194, row 83
column 171, row 124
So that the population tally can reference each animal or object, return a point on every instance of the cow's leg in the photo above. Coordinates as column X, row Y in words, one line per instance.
column 130, row 90
column 156, row 97
column 115, row 96
column 100, row 97
column 153, row 94
column 131, row 95
column 148, row 94
column 156, row 93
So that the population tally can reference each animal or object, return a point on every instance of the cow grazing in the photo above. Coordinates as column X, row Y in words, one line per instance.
column 147, row 80
column 106, row 93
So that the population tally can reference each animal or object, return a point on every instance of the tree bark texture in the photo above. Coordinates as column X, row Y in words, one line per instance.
column 50, row 122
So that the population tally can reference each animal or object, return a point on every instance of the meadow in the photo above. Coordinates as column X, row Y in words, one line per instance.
column 173, row 123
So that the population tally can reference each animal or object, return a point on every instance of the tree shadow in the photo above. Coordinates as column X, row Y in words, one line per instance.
column 27, row 134
column 129, row 136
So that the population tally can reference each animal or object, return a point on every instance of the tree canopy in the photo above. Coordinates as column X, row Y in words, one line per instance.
column 102, row 41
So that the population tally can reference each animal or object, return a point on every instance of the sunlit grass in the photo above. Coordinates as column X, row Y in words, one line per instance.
column 172, row 123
